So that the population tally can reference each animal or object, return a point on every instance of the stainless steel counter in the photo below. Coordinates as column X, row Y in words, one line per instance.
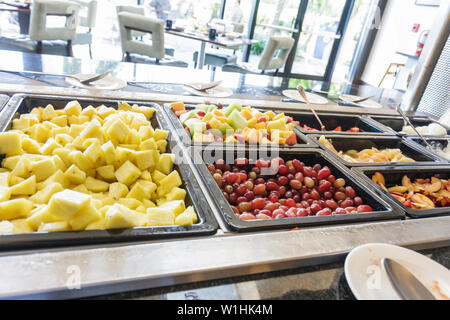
column 73, row 272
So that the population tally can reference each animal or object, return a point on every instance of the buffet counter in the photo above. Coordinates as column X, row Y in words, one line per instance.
column 289, row 259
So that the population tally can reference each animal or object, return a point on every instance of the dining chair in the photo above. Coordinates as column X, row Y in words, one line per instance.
column 273, row 57
column 87, row 20
column 138, row 51
column 140, row 10
column 43, row 37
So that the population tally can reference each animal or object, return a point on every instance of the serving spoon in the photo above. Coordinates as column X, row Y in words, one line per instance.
column 82, row 81
column 302, row 92
column 405, row 118
column 203, row 86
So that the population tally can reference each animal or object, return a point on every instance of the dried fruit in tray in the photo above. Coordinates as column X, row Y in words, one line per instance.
column 235, row 123
column 92, row 168
column 277, row 189
column 420, row 194
column 367, row 155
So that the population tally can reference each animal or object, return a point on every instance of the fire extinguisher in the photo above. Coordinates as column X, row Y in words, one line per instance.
column 422, row 38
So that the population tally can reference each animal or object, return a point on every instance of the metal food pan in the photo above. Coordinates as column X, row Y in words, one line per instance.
column 309, row 156
column 395, row 124
column 393, row 176
column 205, row 226
column 332, row 120
column 3, row 100
column 303, row 140
column 438, row 143
column 346, row 142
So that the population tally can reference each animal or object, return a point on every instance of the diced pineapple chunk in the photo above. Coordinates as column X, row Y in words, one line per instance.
column 168, row 183
column 6, row 227
column 21, row 226
column 43, row 169
column 160, row 134
column 118, row 130
column 13, row 209
column 106, row 172
column 160, row 217
column 73, row 108
column 74, row 175
column 119, row 216
column 165, row 163
column 5, row 193
column 10, row 143
column 44, row 195
column 25, row 187
column 176, row 206
column 118, row 190
column 127, row 173
column 146, row 159
column 138, row 192
column 96, row 185
column 84, row 217
column 67, row 203
column 176, row 194
column 54, row 226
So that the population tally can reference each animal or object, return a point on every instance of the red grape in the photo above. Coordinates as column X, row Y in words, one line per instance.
column 291, row 203
column 274, row 196
column 271, row 186
column 283, row 170
column 331, row 204
column 324, row 186
column 229, row 189
column 297, row 165
column 350, row 192
column 324, row 173
column 295, row 184
column 259, row 189
column 339, row 183
column 258, row 203
column 241, row 190
column 241, row 162
column 324, row 212
column 309, row 182
column 282, row 180
column 315, row 208
column 358, row 201
column 347, row 203
column 339, row 195
column 220, row 164
column 364, row 208
column 315, row 195
column 249, row 195
column 247, row 216
column 244, row 207
column 241, row 199
column 302, row 212
column 261, row 163
column 262, row 216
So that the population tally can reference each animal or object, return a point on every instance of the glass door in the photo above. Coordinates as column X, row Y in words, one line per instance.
column 322, row 25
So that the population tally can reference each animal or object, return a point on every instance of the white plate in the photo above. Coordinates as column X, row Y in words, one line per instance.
column 365, row 104
column 107, row 83
column 368, row 280
column 216, row 92
column 313, row 98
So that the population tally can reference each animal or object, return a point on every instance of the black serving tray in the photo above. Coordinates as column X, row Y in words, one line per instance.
column 3, row 100
column 394, row 124
column 206, row 225
column 393, row 176
column 347, row 142
column 308, row 156
column 333, row 120
column 437, row 142
column 303, row 141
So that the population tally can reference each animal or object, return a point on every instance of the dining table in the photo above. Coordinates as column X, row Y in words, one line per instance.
column 220, row 41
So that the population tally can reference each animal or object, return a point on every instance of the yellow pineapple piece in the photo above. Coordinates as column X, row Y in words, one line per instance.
column 57, row 177
column 157, row 176
column 176, row 194
column 5, row 193
column 146, row 132
column 118, row 130
column 43, row 169
column 6, row 227
column 14, row 209
column 25, row 187
column 97, row 225
column 67, row 203
column 130, row 203
column 165, row 163
column 160, row 217
column 44, row 195
column 119, row 216
column 42, row 215
column 124, row 154
column 30, row 145
column 149, row 144
column 162, row 145
column 10, row 143
column 54, row 226
column 168, row 183
column 96, row 185
column 4, row 179
column 80, row 160
column 106, row 172
column 60, row 121
column 73, row 108
column 160, row 134
column 21, row 226
column 74, row 175
column 109, row 152
column 93, row 152
column 145, row 159
column 127, row 173
column 84, row 217
column 138, row 192
column 176, row 206
column 22, row 168
column 118, row 190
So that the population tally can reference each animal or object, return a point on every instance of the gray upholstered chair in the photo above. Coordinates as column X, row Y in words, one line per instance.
column 139, row 51
column 215, row 59
column 273, row 58
column 44, row 38
column 87, row 20
column 140, row 10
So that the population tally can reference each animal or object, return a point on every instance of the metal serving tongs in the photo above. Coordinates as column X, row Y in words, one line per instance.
column 405, row 118
column 302, row 92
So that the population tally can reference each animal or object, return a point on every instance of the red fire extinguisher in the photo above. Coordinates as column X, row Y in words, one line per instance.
column 422, row 38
